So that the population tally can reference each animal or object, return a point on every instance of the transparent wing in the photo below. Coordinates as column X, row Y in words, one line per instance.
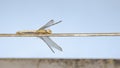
column 47, row 44
column 51, row 43
column 50, row 23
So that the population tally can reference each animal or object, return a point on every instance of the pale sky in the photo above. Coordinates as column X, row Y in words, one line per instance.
column 78, row 16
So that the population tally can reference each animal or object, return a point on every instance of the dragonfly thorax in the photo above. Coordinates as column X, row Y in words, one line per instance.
column 47, row 31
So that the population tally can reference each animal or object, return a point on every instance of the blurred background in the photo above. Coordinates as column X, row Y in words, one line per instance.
column 78, row 16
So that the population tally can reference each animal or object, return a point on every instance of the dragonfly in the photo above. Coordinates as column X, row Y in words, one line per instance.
column 51, row 44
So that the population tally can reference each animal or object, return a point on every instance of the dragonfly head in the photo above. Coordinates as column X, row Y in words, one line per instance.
column 48, row 31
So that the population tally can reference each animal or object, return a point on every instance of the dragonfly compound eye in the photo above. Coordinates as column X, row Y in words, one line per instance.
column 49, row 31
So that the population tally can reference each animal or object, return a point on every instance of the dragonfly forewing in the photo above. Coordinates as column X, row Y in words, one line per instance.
column 47, row 44
column 51, row 43
column 48, row 24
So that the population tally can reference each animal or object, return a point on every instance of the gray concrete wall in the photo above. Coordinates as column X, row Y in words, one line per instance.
column 59, row 63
